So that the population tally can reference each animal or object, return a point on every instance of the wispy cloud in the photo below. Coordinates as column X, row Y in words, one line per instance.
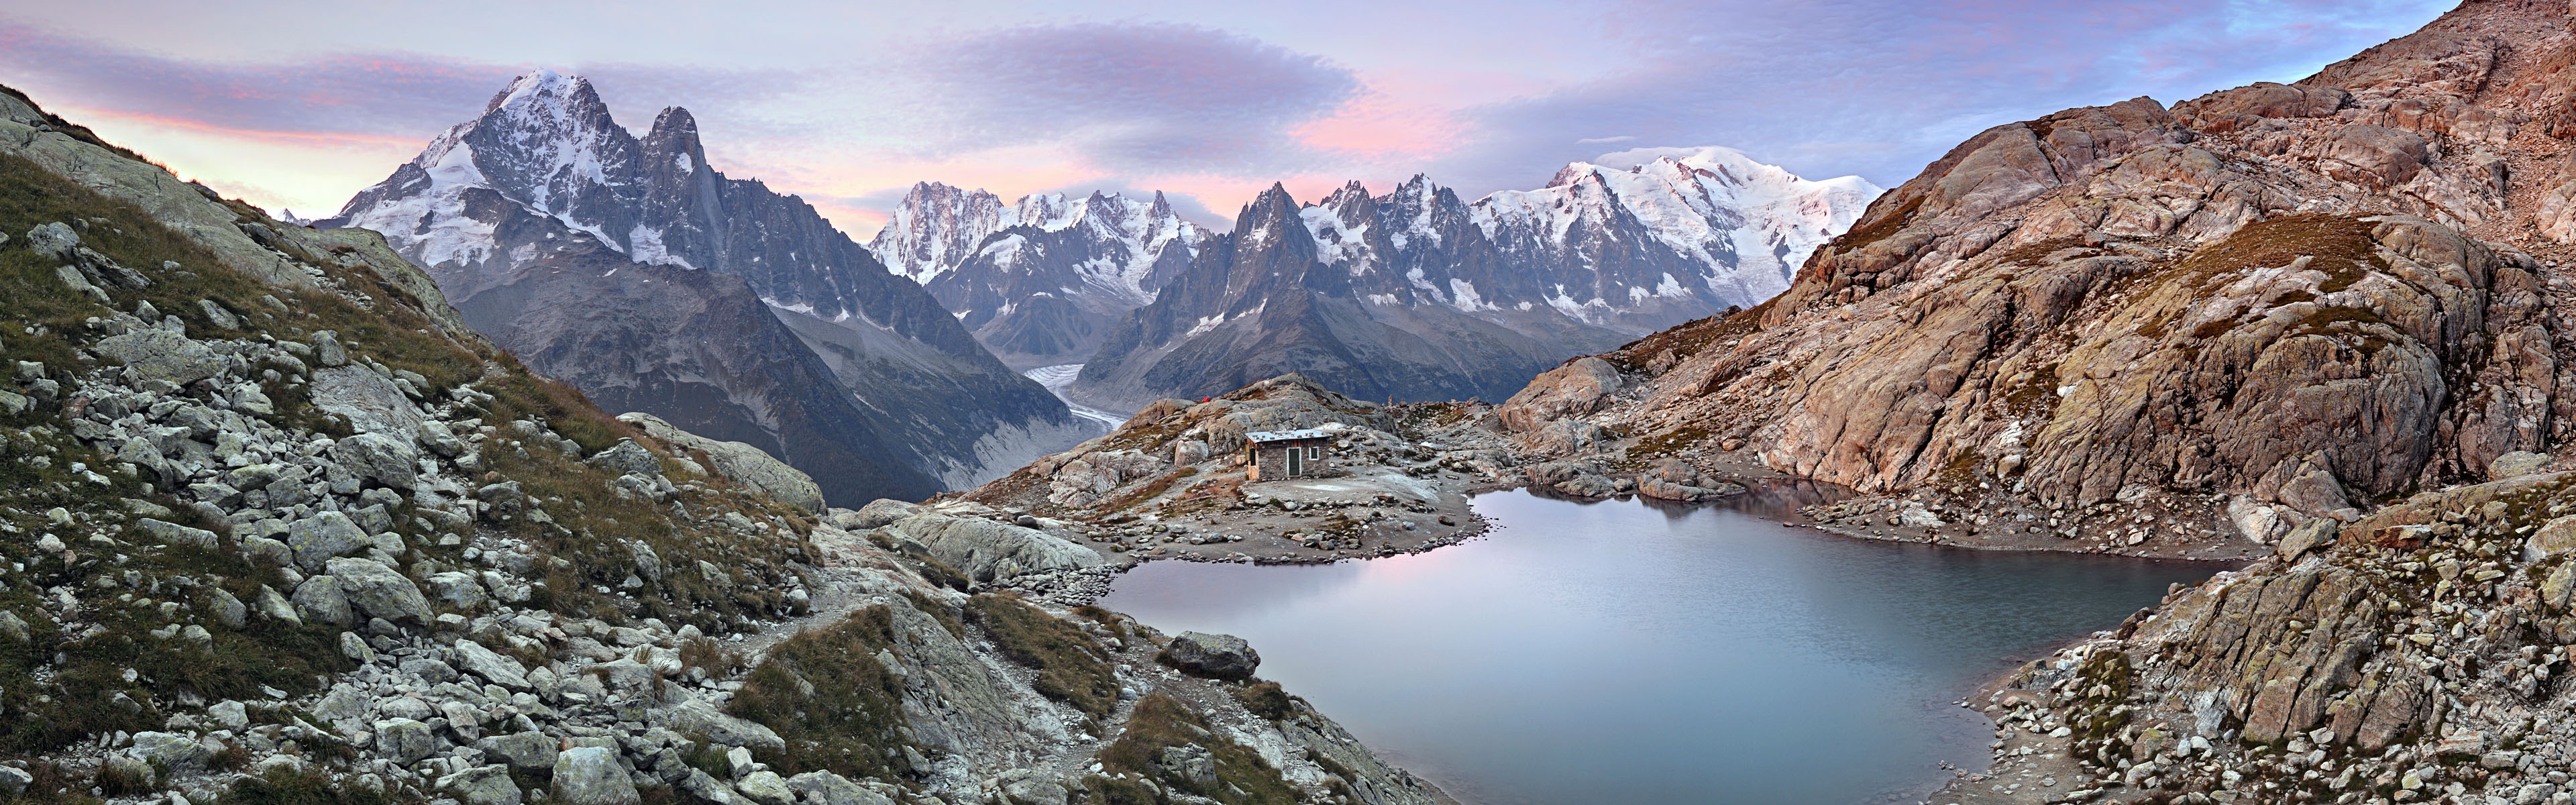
column 1210, row 104
column 1131, row 97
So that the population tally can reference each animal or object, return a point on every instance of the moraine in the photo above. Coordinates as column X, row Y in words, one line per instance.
column 1628, row 652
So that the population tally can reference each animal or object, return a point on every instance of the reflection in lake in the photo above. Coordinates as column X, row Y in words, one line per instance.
column 1621, row 652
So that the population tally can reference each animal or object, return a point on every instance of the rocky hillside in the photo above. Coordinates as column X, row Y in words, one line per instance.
column 2322, row 321
column 633, row 269
column 280, row 528
column 1040, row 281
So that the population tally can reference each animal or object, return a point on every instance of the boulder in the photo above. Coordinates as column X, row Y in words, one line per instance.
column 526, row 751
column 153, row 353
column 379, row 458
column 2555, row 536
column 179, row 753
column 627, row 458
column 2308, row 537
column 1216, row 656
column 589, row 775
column 175, row 534
column 328, row 350
column 370, row 401
column 1579, row 387
column 473, row 658
column 53, row 240
column 324, row 536
column 319, row 600
column 877, row 514
column 405, row 741
column 765, row 787
column 826, row 788
column 694, row 717
column 985, row 550
column 743, row 463
column 2515, row 463
column 1674, row 479
column 457, row 589
column 374, row 590
column 230, row 715
column 482, row 785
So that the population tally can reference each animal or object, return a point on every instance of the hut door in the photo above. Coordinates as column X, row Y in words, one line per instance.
column 1296, row 464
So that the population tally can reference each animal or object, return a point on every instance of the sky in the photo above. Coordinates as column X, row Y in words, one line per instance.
column 299, row 105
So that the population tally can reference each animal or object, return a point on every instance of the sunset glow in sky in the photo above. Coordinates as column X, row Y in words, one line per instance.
column 299, row 105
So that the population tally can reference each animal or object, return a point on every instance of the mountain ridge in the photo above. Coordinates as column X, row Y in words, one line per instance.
column 545, row 189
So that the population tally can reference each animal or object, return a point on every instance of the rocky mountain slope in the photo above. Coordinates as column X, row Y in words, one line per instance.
column 2324, row 321
column 280, row 528
column 1040, row 281
column 632, row 268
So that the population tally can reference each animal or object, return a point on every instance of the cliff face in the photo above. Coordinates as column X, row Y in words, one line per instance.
column 2302, row 299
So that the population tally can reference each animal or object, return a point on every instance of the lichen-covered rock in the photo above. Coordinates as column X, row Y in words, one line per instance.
column 473, row 658
column 526, row 751
column 985, row 550
column 405, row 740
column 376, row 591
column 740, row 462
column 319, row 600
column 1579, row 387
column 174, row 534
column 371, row 402
column 482, row 785
column 627, row 457
column 323, row 536
column 157, row 354
column 379, row 458
column 696, row 717
column 589, row 775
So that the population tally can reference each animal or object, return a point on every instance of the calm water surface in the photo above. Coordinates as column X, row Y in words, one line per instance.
column 1625, row 652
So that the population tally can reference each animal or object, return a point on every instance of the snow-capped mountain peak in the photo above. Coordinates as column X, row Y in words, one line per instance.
column 938, row 228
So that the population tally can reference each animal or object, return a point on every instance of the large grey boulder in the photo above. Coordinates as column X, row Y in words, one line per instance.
column 741, row 462
column 589, row 775
column 877, row 514
column 157, row 354
column 826, row 788
column 694, row 717
column 175, row 534
column 375, row 590
column 405, row 741
column 174, row 751
column 765, row 787
column 370, row 401
column 319, row 600
column 528, row 751
column 474, row 659
column 323, row 537
column 1216, row 656
column 379, row 458
column 53, row 240
column 627, row 458
column 458, row 589
column 482, row 785
column 985, row 550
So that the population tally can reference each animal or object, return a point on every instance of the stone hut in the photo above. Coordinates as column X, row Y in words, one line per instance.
column 1277, row 454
